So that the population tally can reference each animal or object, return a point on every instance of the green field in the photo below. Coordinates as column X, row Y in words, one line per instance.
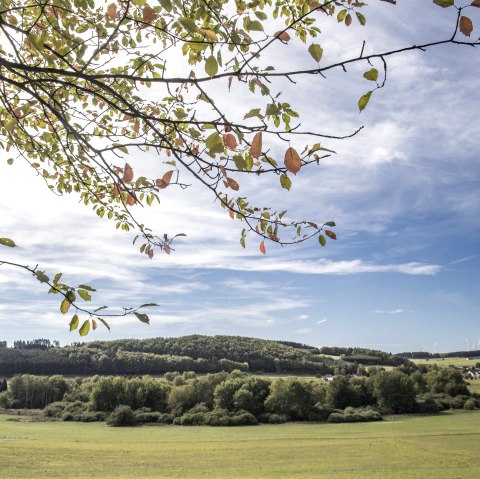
column 445, row 446
column 448, row 361
column 474, row 385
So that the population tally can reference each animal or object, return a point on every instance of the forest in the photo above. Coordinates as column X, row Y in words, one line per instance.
column 240, row 398
column 198, row 353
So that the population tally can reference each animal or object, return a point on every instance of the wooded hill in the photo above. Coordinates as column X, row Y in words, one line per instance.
column 202, row 354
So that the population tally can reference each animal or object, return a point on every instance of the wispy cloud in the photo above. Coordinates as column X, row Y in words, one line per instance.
column 321, row 321
column 389, row 311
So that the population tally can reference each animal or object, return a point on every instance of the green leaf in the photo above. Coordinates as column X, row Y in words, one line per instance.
column 74, row 323
column 85, row 286
column 341, row 15
column 255, row 26
column 85, row 328
column 254, row 112
column 444, row 3
column 65, row 306
column 285, row 181
column 166, row 4
column 330, row 223
column 188, row 24
column 322, row 240
column 57, row 278
column 41, row 276
column 371, row 75
column 362, row 103
column 7, row 242
column 143, row 317
column 148, row 305
column 315, row 51
column 84, row 295
column 211, row 66
column 361, row 18
column 103, row 322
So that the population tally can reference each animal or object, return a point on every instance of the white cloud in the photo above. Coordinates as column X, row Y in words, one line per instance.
column 321, row 321
column 391, row 311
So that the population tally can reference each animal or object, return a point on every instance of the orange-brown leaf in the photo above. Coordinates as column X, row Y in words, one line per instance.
column 331, row 234
column 112, row 11
column 348, row 20
column 233, row 184
column 149, row 14
column 292, row 161
column 127, row 173
column 283, row 36
column 94, row 324
column 131, row 200
column 116, row 190
column 466, row 26
column 256, row 146
column 164, row 181
column 232, row 214
column 230, row 141
column 262, row 248
column 475, row 3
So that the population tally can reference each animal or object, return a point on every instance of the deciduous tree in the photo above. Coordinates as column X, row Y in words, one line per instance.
column 85, row 84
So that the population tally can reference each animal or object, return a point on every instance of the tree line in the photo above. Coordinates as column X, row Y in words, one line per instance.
column 202, row 354
column 237, row 397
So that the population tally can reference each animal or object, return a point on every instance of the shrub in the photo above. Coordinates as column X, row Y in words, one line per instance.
column 355, row 415
column 91, row 416
column 54, row 409
column 121, row 416
column 470, row 404
column 145, row 417
column 277, row 419
column 166, row 418
column 429, row 405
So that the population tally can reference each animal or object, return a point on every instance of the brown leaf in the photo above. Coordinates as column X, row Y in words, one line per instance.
column 94, row 324
column 348, row 20
column 230, row 79
column 131, row 200
column 149, row 14
column 112, row 11
column 466, row 26
column 164, row 181
column 475, row 3
column 127, row 173
column 233, row 184
column 331, row 234
column 256, row 146
column 283, row 36
column 150, row 253
column 232, row 214
column 230, row 141
column 116, row 190
column 262, row 248
column 292, row 161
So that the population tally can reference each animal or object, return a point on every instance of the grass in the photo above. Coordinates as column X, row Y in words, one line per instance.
column 448, row 361
column 474, row 385
column 444, row 446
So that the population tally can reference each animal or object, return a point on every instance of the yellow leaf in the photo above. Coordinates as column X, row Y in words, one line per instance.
column 210, row 34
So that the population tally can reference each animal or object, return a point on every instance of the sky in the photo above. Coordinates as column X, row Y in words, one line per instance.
column 404, row 274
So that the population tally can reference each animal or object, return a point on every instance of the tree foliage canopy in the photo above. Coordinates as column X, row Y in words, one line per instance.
column 84, row 84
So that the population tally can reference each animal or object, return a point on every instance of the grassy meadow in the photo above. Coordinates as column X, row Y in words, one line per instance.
column 444, row 446
column 445, row 362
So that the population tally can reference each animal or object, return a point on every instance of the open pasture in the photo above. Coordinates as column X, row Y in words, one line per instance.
column 444, row 446
column 445, row 362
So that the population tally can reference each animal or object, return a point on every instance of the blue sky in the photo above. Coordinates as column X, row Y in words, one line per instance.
column 405, row 272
